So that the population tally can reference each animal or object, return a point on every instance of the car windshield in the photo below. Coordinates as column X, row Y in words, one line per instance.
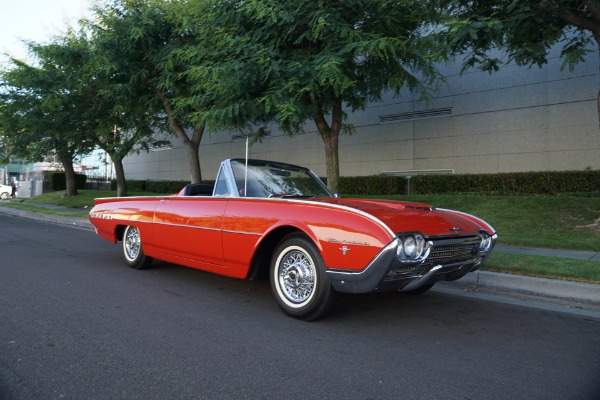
column 272, row 179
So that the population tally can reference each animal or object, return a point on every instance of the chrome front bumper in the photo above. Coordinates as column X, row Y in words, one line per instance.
column 450, row 259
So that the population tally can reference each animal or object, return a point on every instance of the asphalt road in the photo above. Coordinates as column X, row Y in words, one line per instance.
column 76, row 323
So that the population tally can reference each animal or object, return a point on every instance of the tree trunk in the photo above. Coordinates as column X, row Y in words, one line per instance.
column 69, row 176
column 192, row 145
column 330, row 136
column 597, row 37
column 120, row 173
column 194, row 162
column 332, row 160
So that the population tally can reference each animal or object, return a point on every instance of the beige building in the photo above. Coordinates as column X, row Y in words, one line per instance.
column 518, row 119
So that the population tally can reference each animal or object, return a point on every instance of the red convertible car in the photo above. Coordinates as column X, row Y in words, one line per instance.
column 268, row 216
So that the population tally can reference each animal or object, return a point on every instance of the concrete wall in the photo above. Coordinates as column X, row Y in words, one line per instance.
column 30, row 188
column 517, row 119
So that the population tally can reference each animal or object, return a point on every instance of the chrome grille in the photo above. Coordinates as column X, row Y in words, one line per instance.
column 444, row 252
column 451, row 253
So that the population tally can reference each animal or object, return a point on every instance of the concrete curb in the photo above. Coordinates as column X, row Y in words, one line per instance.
column 82, row 223
column 527, row 285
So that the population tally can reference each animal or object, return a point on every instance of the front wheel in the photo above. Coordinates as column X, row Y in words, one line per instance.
column 298, row 279
column 4, row 195
column 132, row 249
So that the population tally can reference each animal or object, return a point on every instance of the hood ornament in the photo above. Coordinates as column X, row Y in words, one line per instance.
column 455, row 229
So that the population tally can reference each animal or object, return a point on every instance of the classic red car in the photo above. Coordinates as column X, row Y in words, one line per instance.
column 269, row 216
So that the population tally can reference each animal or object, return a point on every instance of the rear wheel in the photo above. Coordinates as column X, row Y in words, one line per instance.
column 298, row 279
column 132, row 249
column 4, row 195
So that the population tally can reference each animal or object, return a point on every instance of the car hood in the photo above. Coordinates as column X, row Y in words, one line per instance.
column 413, row 217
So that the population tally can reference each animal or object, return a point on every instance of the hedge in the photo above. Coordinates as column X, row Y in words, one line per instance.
column 545, row 182
column 58, row 181
column 153, row 186
column 368, row 185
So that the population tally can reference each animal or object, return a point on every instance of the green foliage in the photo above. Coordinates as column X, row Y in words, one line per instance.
column 44, row 106
column 525, row 30
column 290, row 62
column 545, row 182
column 154, row 186
column 370, row 185
column 548, row 182
column 130, row 39
column 58, row 181
column 132, row 185
column 165, row 186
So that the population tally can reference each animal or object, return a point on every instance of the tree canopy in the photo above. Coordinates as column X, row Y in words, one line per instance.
column 44, row 108
column 141, row 42
column 524, row 31
column 300, row 60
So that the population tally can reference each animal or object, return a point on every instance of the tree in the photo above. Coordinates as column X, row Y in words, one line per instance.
column 139, row 40
column 42, row 107
column 298, row 60
column 526, row 30
column 118, row 120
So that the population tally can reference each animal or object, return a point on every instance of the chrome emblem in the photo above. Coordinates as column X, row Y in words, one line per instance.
column 345, row 250
column 456, row 229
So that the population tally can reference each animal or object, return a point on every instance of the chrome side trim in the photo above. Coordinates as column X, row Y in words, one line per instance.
column 184, row 226
column 241, row 233
column 128, row 222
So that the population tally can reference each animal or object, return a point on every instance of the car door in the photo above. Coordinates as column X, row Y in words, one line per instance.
column 188, row 230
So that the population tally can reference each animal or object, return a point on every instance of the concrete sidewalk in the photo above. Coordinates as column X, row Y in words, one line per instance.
column 584, row 293
column 82, row 222
column 574, row 254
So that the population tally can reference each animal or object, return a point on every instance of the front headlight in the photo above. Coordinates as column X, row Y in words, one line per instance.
column 486, row 243
column 412, row 247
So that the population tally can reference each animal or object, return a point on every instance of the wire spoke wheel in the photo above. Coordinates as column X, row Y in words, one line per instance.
column 298, row 278
column 132, row 249
column 131, row 243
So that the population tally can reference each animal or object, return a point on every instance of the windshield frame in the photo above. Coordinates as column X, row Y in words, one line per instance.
column 267, row 179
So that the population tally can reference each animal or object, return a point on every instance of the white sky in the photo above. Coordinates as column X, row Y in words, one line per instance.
column 36, row 20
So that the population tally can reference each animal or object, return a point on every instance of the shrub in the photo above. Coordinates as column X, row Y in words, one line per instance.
column 58, row 181
column 545, row 182
column 152, row 186
column 165, row 186
column 369, row 185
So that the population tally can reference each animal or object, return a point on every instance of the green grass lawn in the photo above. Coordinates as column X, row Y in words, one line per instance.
column 559, row 222
column 83, row 200
column 547, row 267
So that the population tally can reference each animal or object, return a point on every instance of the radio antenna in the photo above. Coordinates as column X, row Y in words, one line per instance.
column 246, row 171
